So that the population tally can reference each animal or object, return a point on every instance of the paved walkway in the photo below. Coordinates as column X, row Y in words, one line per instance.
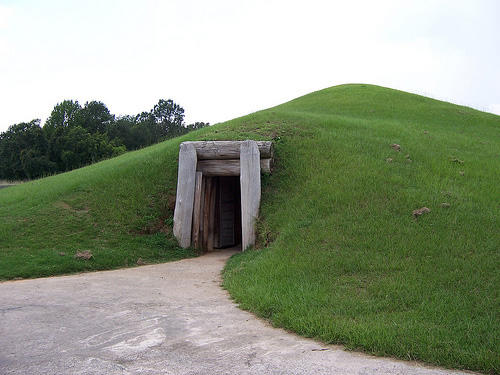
column 169, row 318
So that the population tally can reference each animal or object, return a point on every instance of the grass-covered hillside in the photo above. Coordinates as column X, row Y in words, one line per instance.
column 346, row 260
column 117, row 209
column 341, row 257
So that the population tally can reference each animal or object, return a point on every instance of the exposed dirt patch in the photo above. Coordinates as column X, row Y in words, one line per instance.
column 171, row 202
column 158, row 226
column 85, row 255
column 66, row 206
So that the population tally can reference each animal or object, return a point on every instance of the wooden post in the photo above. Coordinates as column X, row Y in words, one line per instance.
column 211, row 217
column 206, row 211
column 197, row 210
column 250, row 191
column 202, row 212
column 183, row 214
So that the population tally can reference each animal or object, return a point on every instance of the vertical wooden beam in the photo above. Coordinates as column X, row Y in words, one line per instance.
column 206, row 211
column 217, row 214
column 202, row 204
column 250, row 191
column 211, row 218
column 197, row 210
column 183, row 214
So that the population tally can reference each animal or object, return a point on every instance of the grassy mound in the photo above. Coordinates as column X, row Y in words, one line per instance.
column 342, row 257
column 118, row 209
column 348, row 262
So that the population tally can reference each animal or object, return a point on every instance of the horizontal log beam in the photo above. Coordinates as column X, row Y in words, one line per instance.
column 207, row 150
column 228, row 167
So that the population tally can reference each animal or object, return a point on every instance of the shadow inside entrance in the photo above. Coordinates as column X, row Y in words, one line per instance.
column 220, row 216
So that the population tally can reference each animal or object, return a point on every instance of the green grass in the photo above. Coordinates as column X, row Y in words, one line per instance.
column 117, row 209
column 347, row 263
column 340, row 256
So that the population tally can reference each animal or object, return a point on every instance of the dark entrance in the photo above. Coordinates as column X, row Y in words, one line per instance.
column 218, row 224
column 227, row 212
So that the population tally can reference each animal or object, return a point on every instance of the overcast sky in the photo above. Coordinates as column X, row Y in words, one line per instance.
column 221, row 59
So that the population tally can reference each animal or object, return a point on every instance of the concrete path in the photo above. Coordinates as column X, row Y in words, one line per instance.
column 169, row 318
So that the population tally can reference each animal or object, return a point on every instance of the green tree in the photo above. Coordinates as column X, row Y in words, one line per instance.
column 74, row 136
column 168, row 117
column 75, row 147
column 23, row 152
column 130, row 133
column 63, row 115
column 94, row 117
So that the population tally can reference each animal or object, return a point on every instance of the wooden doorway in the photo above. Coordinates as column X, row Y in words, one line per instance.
column 228, row 212
column 218, row 224
column 218, row 192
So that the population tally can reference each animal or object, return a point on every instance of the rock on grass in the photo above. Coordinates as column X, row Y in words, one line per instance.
column 420, row 212
column 140, row 262
column 85, row 255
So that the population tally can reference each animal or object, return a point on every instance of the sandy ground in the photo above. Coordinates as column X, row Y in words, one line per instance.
column 170, row 318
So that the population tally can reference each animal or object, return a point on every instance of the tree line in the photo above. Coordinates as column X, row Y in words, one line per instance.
column 74, row 136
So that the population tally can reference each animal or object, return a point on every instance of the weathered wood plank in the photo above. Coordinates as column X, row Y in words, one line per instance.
column 216, row 215
column 183, row 214
column 250, row 191
column 211, row 217
column 226, row 207
column 197, row 210
column 202, row 210
column 228, row 149
column 228, row 167
column 206, row 211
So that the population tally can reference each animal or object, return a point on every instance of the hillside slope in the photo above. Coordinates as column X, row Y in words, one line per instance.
column 347, row 261
column 342, row 258
column 117, row 209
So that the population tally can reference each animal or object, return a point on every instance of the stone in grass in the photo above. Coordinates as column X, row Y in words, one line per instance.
column 85, row 255
column 396, row 147
column 461, row 173
column 62, row 253
column 389, row 160
column 420, row 212
column 445, row 205
column 426, row 132
column 140, row 262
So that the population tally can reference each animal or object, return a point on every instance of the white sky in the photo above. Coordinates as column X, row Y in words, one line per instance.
column 221, row 59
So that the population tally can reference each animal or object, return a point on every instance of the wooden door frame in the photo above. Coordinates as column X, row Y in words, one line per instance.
column 197, row 160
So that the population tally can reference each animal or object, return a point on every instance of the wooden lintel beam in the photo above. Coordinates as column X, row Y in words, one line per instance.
column 206, row 150
column 228, row 167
